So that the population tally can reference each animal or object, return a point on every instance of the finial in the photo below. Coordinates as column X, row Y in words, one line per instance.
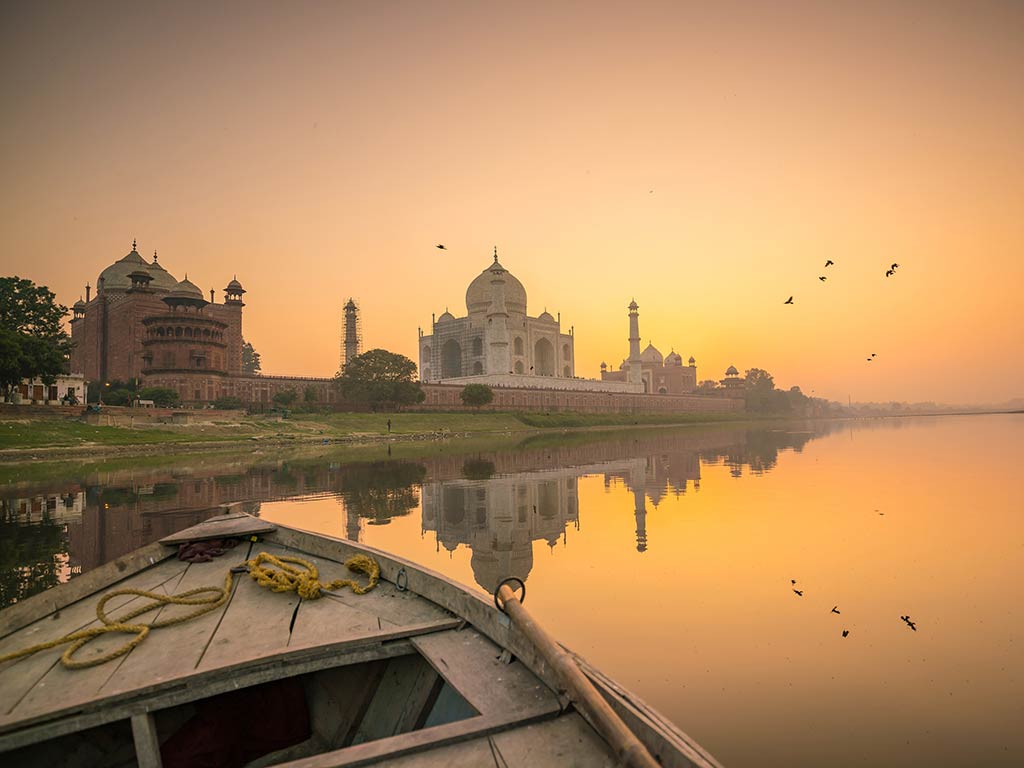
column 495, row 254
column 134, row 246
column 154, row 256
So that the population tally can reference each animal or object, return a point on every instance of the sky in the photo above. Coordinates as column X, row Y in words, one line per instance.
column 703, row 159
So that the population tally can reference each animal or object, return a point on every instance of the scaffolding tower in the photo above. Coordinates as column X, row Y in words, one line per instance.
column 351, row 341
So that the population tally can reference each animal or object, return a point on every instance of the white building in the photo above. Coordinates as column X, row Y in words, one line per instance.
column 69, row 388
column 497, row 336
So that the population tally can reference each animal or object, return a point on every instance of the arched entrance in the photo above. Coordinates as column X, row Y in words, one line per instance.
column 543, row 358
column 451, row 359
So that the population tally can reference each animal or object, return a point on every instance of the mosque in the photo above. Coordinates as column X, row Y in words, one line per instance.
column 657, row 374
column 146, row 326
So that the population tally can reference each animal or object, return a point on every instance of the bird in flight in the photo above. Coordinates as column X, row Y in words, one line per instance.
column 829, row 263
column 846, row 632
column 788, row 301
column 869, row 359
column 872, row 354
column 889, row 273
column 440, row 247
column 822, row 278
column 895, row 266
column 793, row 582
column 835, row 609
column 799, row 592
column 909, row 623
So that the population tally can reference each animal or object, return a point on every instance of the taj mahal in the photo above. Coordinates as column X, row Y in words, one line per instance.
column 498, row 343
column 497, row 337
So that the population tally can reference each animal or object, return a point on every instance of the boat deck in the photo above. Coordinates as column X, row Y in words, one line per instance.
column 372, row 698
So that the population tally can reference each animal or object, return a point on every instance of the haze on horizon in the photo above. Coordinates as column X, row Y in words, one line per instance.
column 704, row 160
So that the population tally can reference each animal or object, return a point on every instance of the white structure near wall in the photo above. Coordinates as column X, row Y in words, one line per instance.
column 67, row 387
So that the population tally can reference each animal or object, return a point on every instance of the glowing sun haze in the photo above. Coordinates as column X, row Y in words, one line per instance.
column 703, row 158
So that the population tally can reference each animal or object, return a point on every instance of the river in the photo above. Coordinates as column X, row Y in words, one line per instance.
column 712, row 570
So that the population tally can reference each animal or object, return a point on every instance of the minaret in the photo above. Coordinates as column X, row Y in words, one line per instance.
column 498, row 358
column 634, row 371
column 352, row 341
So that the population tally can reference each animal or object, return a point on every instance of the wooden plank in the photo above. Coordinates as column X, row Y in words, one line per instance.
column 567, row 742
column 19, row 677
column 480, row 612
column 229, row 526
column 338, row 700
column 147, row 745
column 391, row 605
column 470, row 663
column 257, row 623
column 105, row 709
column 23, row 613
column 173, row 652
column 63, row 687
column 439, row 589
column 408, row 685
column 382, row 751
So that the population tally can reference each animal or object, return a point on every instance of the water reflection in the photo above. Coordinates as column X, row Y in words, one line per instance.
column 496, row 503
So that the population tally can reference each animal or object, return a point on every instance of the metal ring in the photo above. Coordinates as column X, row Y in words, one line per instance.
column 509, row 580
column 401, row 580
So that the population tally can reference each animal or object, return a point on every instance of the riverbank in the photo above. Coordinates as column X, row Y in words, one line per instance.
column 53, row 437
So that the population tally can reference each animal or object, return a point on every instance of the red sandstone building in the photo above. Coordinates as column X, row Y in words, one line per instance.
column 144, row 325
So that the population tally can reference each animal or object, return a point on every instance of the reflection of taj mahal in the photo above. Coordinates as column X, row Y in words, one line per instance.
column 499, row 519
column 496, row 337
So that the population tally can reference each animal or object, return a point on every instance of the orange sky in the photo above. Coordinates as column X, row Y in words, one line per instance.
column 705, row 161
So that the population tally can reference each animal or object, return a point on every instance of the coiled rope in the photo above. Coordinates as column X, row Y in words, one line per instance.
column 286, row 579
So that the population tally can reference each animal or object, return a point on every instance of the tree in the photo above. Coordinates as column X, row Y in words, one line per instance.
column 162, row 397
column 285, row 396
column 310, row 395
column 380, row 378
column 250, row 358
column 33, row 342
column 476, row 395
column 759, row 379
column 706, row 386
column 228, row 403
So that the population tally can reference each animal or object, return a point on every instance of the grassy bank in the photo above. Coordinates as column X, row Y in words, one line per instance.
column 19, row 435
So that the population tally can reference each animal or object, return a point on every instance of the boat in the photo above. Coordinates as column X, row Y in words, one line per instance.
column 221, row 669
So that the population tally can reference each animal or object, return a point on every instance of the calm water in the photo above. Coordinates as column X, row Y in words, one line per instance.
column 666, row 558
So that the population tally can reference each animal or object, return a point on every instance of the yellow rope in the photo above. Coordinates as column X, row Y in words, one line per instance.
column 307, row 583
column 287, row 579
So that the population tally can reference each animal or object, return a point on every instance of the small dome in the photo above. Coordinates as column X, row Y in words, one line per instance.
column 480, row 291
column 604, row 365
column 731, row 371
column 78, row 304
column 445, row 317
column 692, row 361
column 162, row 279
column 187, row 289
column 236, row 287
column 115, row 277
column 673, row 358
column 546, row 317
column 651, row 355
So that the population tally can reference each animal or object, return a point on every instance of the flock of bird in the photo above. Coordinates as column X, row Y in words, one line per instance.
column 828, row 263
column 835, row 609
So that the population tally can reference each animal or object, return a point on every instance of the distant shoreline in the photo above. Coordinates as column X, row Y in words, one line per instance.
column 312, row 430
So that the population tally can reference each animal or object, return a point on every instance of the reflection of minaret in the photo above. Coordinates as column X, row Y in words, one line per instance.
column 641, row 520
column 352, row 526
